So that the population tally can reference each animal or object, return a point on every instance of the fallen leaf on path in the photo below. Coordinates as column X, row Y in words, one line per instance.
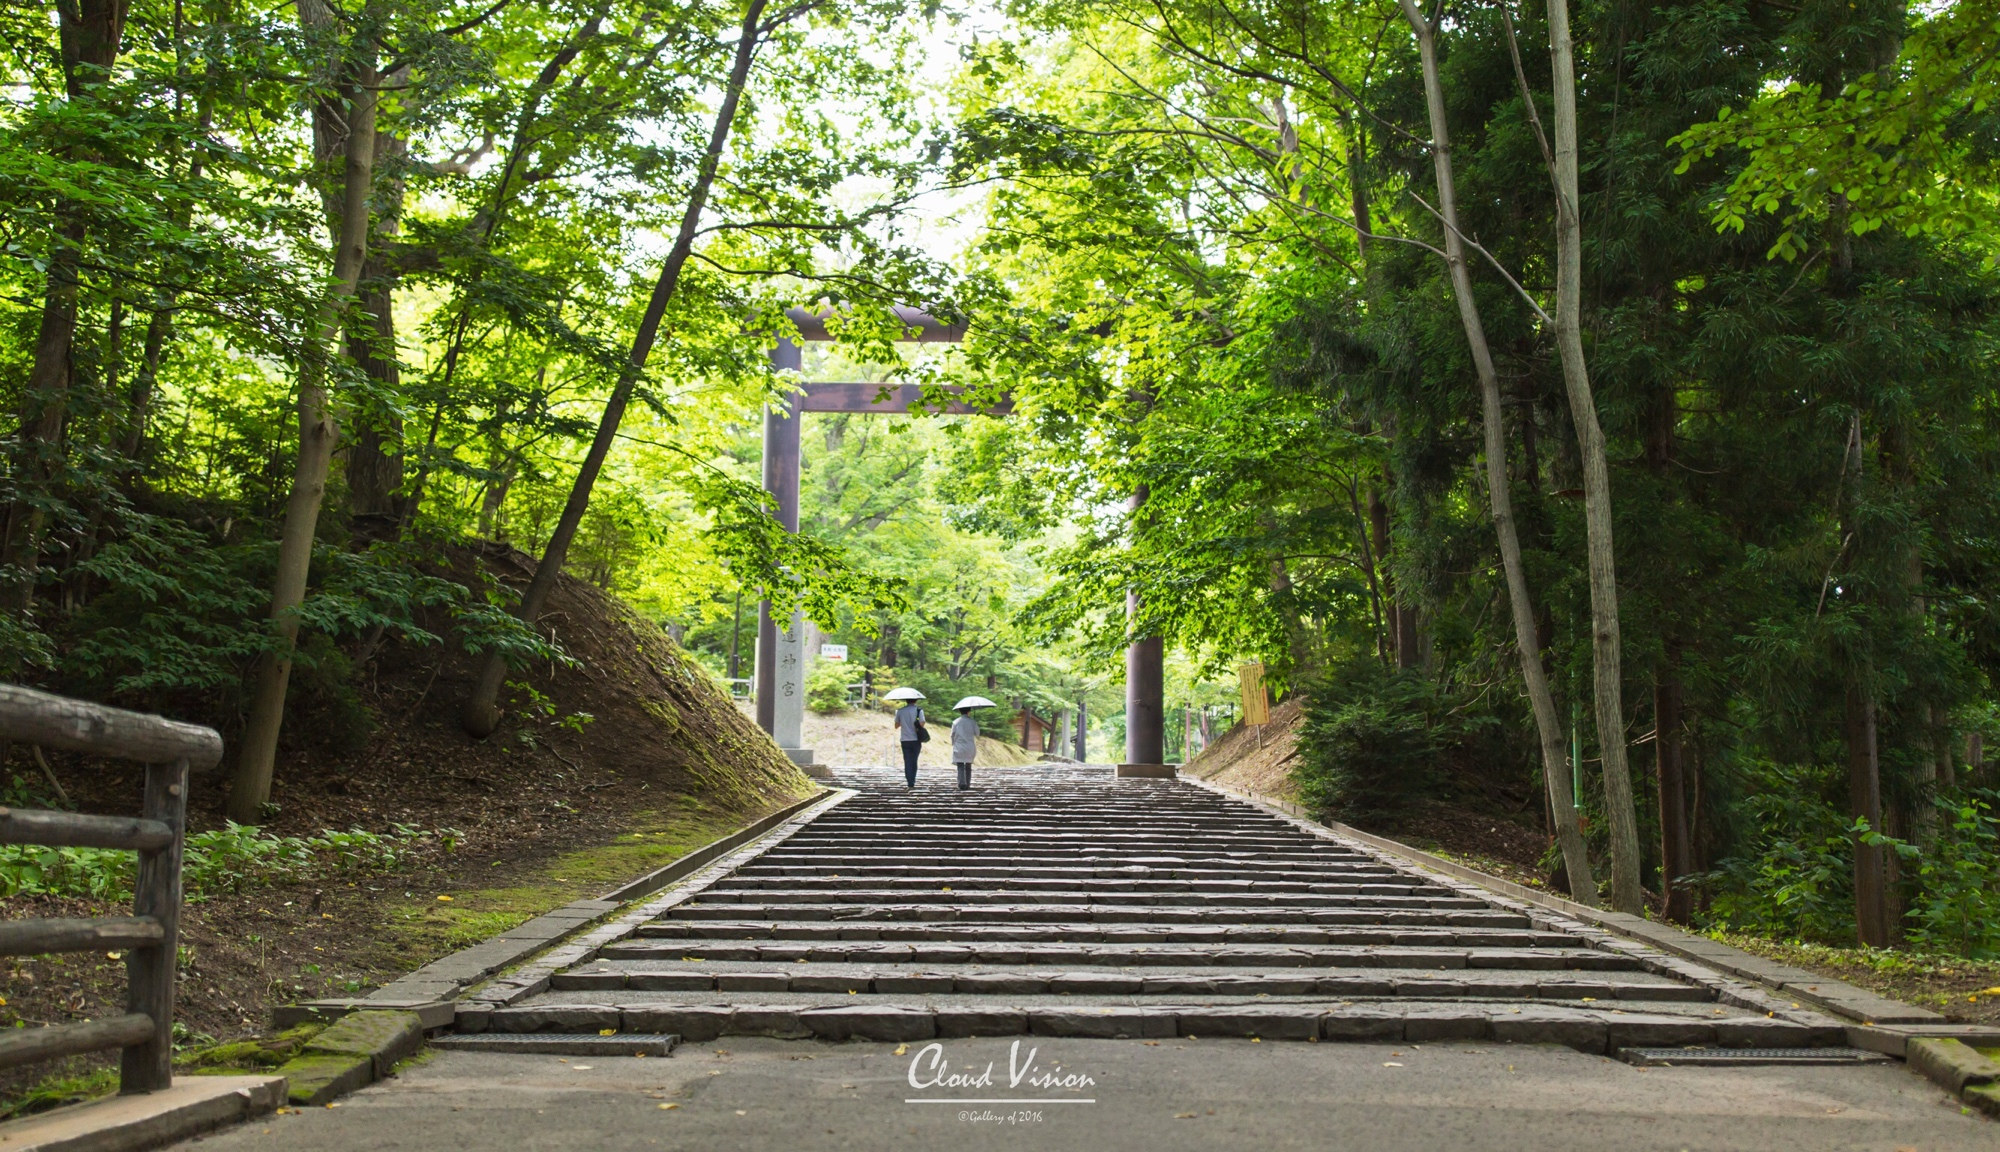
column 741, row 1112
column 1183, row 1115
column 607, row 1031
column 668, row 1107
column 901, row 1049
column 1390, row 1064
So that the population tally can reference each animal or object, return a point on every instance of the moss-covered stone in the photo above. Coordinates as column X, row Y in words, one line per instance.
column 382, row 1036
column 318, row 1078
column 257, row 1051
column 1986, row 1098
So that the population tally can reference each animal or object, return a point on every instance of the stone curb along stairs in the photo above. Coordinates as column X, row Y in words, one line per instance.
column 1968, row 1073
column 430, row 991
column 1962, row 1059
column 1059, row 900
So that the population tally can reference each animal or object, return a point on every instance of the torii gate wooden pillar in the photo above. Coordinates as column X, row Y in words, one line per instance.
column 780, row 673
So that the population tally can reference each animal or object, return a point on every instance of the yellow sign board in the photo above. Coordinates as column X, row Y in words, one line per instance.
column 1256, row 702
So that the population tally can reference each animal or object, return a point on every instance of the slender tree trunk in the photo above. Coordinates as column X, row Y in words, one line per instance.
column 90, row 33
column 1864, row 794
column 318, row 433
column 482, row 709
column 1548, row 726
column 1864, row 765
column 1606, row 649
column 1669, row 753
column 1676, row 860
column 375, row 459
column 160, row 325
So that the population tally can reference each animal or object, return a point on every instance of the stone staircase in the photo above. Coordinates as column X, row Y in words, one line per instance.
column 1061, row 901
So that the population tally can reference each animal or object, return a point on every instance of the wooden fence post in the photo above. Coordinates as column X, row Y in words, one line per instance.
column 150, row 971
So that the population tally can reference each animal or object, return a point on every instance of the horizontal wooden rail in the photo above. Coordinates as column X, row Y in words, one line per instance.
column 27, row 1045
column 35, row 937
column 32, row 717
column 75, row 830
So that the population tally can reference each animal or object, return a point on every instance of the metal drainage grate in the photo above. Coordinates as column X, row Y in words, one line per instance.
column 623, row 1044
column 1731, row 1057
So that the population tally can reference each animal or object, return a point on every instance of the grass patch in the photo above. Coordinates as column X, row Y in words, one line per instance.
column 256, row 1054
column 57, row 1091
column 445, row 921
column 1960, row 988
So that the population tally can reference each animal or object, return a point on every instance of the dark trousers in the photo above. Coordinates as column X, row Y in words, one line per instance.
column 964, row 774
column 910, row 750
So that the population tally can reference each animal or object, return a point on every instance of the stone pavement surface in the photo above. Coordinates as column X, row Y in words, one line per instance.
column 1061, row 901
column 791, row 1096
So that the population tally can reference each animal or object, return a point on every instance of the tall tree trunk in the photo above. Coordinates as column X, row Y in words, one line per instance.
column 1864, row 764
column 1607, row 652
column 1864, row 795
column 90, row 33
column 375, row 459
column 1676, row 858
column 1669, row 758
column 1548, row 726
column 318, row 433
column 482, row 709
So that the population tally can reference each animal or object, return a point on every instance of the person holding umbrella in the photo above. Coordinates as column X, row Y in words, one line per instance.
column 965, row 738
column 909, row 729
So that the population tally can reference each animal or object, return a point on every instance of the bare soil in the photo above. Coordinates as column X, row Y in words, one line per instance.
column 600, row 771
column 864, row 736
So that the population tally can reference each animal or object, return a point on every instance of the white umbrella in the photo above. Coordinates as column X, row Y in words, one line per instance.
column 903, row 694
column 974, row 702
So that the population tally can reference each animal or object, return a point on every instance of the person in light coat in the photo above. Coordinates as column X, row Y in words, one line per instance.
column 964, row 746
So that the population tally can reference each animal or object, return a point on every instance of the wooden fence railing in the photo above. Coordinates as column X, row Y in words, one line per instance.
column 150, row 935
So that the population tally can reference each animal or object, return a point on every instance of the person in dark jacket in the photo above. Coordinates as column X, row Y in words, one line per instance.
column 910, row 718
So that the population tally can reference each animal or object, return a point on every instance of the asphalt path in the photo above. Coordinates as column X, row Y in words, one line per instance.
column 749, row 1095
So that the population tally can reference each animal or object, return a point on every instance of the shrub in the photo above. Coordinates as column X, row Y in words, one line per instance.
column 1370, row 745
column 224, row 860
column 1957, row 908
column 1794, row 878
column 826, row 687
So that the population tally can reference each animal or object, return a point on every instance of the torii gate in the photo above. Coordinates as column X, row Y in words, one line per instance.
column 780, row 663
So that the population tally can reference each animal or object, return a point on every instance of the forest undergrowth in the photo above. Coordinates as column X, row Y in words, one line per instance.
column 383, row 853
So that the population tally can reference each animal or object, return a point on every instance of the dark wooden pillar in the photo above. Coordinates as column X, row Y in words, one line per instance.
column 1145, row 690
column 780, row 668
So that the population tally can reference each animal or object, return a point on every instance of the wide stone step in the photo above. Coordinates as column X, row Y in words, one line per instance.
column 1132, row 885
column 998, row 857
column 1415, row 1021
column 1104, row 933
column 1004, row 980
column 1100, row 913
column 1110, row 895
column 855, row 869
column 1136, row 955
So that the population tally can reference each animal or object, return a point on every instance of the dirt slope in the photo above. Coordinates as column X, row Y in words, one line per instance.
column 1254, row 760
column 599, row 771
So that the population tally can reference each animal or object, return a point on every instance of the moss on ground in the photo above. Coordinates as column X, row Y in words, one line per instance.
column 1961, row 989
column 439, row 922
column 58, row 1090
